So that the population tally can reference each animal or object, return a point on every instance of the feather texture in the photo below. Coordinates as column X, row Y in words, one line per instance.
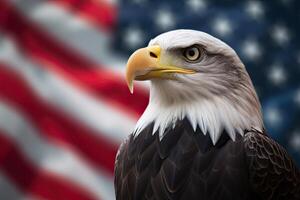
column 272, row 172
column 186, row 165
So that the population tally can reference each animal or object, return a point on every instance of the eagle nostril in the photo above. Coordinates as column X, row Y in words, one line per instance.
column 153, row 55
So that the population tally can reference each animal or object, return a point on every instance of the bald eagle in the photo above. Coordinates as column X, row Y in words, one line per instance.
column 202, row 135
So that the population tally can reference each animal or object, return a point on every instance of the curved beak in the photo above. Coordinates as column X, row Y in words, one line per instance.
column 144, row 64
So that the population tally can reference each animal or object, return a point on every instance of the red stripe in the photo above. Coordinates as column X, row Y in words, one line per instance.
column 100, row 13
column 31, row 179
column 54, row 124
column 69, row 63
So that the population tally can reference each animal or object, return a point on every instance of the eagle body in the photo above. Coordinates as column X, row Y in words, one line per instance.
column 185, row 165
column 202, row 135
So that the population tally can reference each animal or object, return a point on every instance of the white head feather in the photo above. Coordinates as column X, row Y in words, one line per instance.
column 220, row 96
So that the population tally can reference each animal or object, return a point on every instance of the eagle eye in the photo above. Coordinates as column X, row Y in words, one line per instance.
column 192, row 53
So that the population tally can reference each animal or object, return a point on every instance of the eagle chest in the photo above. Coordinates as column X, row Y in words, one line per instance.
column 182, row 165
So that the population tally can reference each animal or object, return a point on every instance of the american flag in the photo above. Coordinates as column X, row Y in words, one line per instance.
column 64, row 104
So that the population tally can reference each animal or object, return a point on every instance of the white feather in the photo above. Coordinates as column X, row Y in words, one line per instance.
column 194, row 96
column 210, row 116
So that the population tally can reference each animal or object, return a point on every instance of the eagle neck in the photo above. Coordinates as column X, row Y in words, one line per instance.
column 212, row 116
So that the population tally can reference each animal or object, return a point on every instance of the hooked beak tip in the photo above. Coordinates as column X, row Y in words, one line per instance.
column 130, row 86
column 129, row 81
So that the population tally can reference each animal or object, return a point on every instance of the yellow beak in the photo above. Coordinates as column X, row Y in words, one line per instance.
column 144, row 64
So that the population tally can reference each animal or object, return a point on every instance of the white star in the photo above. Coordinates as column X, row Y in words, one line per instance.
column 272, row 116
column 165, row 19
column 222, row 26
column 196, row 5
column 255, row 9
column 295, row 141
column 277, row 74
column 280, row 34
column 133, row 37
column 251, row 49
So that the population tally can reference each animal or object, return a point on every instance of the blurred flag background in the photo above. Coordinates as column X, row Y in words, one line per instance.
column 64, row 105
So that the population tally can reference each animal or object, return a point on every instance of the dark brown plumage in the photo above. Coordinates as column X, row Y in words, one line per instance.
column 214, row 92
column 185, row 165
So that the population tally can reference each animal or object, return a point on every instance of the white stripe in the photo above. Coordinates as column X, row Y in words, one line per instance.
column 8, row 189
column 113, row 2
column 99, row 115
column 51, row 157
column 74, row 31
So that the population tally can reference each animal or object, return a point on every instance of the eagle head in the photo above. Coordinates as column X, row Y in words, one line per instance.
column 198, row 77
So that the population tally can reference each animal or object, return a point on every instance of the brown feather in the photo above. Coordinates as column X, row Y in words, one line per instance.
column 179, row 167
